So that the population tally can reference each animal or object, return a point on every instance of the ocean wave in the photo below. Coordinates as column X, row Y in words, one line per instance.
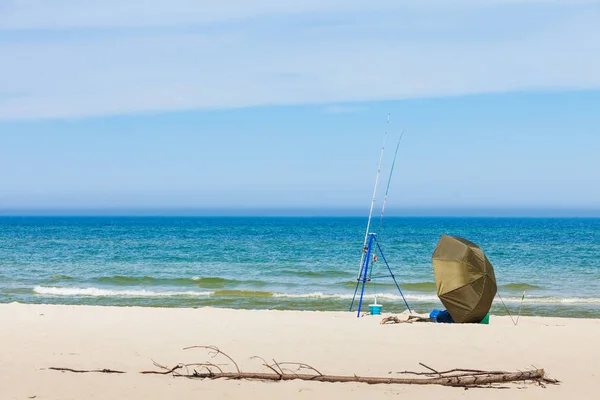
column 556, row 300
column 419, row 286
column 520, row 286
column 210, row 281
column 129, row 280
column 385, row 296
column 430, row 286
column 433, row 298
column 315, row 295
column 61, row 277
column 413, row 286
column 96, row 292
column 423, row 298
column 197, row 281
column 242, row 293
column 315, row 274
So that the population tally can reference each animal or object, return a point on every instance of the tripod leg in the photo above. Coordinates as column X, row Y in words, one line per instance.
column 365, row 272
column 357, row 284
column 393, row 277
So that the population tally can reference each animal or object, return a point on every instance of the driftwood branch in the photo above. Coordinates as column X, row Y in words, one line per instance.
column 206, row 366
column 278, row 366
column 431, row 369
column 215, row 352
column 85, row 371
column 266, row 364
column 462, row 381
column 453, row 377
column 300, row 366
column 166, row 369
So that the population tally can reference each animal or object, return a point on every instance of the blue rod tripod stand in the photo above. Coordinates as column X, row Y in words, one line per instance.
column 364, row 276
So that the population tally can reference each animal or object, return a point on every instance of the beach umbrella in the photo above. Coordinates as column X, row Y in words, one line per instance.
column 464, row 279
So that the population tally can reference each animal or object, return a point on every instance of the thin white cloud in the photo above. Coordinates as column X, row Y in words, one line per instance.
column 277, row 53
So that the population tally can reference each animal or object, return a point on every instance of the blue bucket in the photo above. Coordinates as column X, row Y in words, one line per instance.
column 375, row 309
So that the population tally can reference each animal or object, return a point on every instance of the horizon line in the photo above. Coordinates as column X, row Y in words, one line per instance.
column 493, row 212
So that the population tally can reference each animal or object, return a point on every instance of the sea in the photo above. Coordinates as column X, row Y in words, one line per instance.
column 543, row 267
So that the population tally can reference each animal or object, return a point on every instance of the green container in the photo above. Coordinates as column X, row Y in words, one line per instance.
column 486, row 319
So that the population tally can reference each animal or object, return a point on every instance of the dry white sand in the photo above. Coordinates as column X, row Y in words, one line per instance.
column 35, row 337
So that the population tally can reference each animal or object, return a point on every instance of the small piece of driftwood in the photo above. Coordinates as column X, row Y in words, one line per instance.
column 411, row 318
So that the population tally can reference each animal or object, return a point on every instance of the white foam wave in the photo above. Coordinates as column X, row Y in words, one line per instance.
column 96, row 292
column 315, row 295
column 554, row 300
column 386, row 296
column 434, row 298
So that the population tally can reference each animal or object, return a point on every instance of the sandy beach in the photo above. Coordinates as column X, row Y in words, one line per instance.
column 36, row 337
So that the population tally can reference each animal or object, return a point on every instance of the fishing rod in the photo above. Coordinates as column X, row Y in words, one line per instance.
column 520, row 307
column 387, row 190
column 362, row 257
column 508, row 311
column 389, row 181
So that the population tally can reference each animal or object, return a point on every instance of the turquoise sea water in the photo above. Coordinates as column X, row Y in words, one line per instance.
column 288, row 263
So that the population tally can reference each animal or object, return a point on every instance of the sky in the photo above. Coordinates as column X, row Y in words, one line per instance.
column 264, row 104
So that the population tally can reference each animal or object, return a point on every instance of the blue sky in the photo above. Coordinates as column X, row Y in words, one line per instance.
column 193, row 105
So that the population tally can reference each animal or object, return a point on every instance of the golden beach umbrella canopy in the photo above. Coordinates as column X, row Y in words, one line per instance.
column 464, row 279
